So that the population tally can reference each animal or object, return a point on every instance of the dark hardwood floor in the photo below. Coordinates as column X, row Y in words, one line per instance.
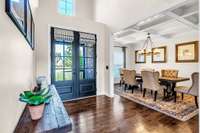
column 118, row 115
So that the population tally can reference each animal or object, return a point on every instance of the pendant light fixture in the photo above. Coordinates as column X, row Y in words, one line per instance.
column 147, row 47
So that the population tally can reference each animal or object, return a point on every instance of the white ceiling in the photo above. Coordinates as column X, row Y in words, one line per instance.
column 179, row 19
column 118, row 14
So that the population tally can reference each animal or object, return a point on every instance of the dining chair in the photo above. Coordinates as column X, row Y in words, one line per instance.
column 192, row 90
column 121, row 76
column 125, row 76
column 169, row 73
column 130, row 80
column 151, row 82
column 139, row 80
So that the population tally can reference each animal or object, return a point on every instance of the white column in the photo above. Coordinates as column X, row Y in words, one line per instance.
column 111, row 77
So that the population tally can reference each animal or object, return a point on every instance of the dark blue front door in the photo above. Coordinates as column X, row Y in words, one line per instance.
column 73, row 63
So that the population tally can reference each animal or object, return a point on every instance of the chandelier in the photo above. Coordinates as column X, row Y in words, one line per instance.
column 147, row 47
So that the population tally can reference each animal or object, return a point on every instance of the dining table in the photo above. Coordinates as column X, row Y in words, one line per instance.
column 169, row 82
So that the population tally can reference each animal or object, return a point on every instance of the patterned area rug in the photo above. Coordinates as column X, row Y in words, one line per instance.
column 182, row 110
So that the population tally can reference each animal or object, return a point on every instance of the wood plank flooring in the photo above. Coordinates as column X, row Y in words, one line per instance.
column 118, row 115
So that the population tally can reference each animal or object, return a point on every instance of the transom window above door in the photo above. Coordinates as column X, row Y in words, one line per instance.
column 66, row 7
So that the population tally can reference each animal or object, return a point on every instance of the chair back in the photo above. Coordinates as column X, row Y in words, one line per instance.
column 131, row 80
column 157, row 75
column 129, row 77
column 125, row 75
column 148, row 69
column 121, row 72
column 194, row 90
column 169, row 73
column 150, row 80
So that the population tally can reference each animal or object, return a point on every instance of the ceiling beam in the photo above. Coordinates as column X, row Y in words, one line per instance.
column 191, row 13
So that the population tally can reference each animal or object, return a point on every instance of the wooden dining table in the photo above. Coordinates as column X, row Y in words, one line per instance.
column 169, row 81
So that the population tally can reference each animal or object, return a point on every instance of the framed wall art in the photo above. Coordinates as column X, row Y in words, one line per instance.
column 187, row 52
column 159, row 55
column 32, row 34
column 29, row 24
column 139, row 58
column 20, row 13
column 16, row 11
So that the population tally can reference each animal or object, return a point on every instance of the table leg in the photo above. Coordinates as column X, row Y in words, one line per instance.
column 170, row 91
column 173, row 86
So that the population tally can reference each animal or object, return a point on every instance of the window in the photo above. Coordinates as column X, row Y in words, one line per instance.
column 119, row 62
column 66, row 7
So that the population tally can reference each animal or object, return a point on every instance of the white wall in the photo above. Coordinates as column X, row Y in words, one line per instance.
column 84, row 9
column 16, row 71
column 109, row 61
column 185, row 69
column 34, row 4
column 48, row 16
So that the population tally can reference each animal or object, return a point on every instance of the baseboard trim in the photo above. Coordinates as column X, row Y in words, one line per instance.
column 76, row 99
column 110, row 96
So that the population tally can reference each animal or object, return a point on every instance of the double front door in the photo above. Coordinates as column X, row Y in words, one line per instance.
column 73, row 63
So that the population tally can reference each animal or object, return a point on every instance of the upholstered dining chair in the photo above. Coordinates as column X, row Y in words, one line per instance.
column 125, row 78
column 169, row 73
column 193, row 90
column 151, row 82
column 130, row 80
column 121, row 76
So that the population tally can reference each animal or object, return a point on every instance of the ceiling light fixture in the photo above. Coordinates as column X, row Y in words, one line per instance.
column 147, row 47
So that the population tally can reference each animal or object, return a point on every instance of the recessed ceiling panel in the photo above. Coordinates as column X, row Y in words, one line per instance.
column 124, row 33
column 171, row 28
column 193, row 18
column 186, row 9
column 160, row 20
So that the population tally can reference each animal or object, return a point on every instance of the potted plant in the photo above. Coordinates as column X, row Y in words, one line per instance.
column 36, row 102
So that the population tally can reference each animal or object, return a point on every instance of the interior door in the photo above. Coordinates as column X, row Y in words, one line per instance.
column 73, row 63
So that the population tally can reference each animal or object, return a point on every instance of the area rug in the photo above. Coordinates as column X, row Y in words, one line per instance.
column 182, row 110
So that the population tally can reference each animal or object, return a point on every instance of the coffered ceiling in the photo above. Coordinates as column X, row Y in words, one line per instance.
column 167, row 24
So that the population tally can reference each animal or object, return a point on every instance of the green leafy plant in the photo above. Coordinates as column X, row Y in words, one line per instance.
column 35, row 98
